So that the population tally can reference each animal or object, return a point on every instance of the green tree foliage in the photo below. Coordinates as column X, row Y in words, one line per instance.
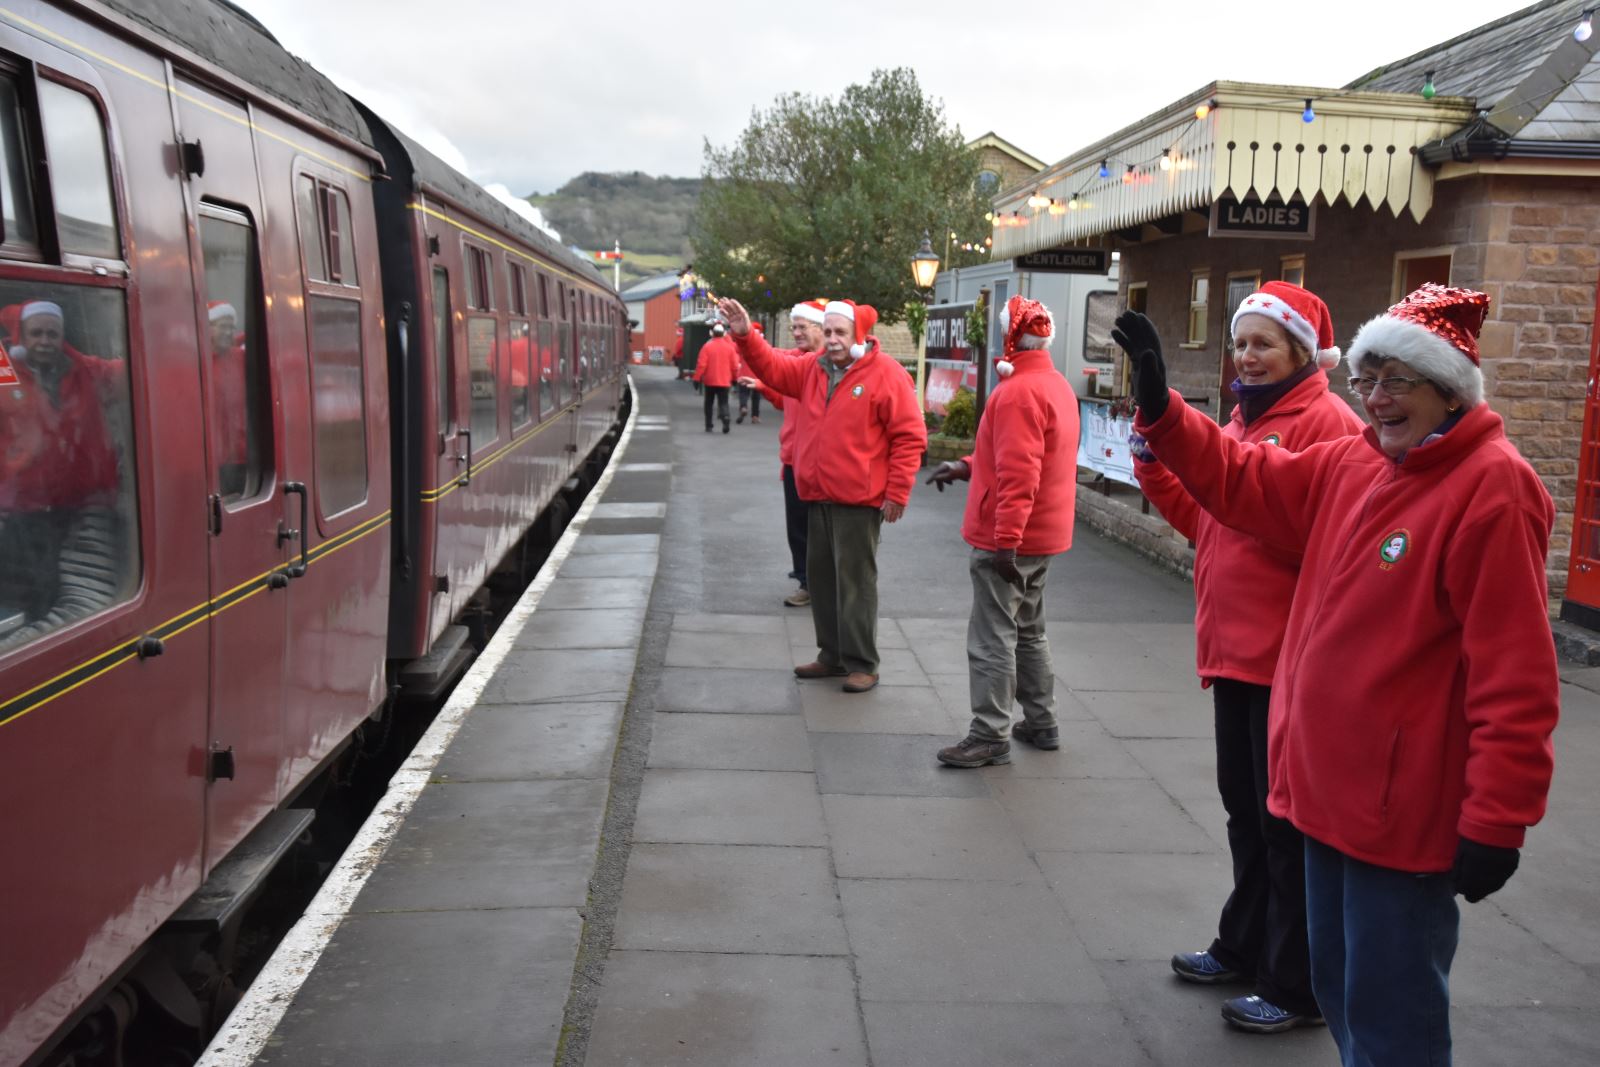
column 917, row 320
column 649, row 215
column 824, row 197
column 961, row 414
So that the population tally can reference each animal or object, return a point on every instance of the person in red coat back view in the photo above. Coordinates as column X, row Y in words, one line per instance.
column 856, row 460
column 1018, row 518
column 716, row 370
column 1282, row 341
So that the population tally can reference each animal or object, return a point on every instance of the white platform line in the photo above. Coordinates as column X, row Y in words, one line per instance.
column 253, row 1020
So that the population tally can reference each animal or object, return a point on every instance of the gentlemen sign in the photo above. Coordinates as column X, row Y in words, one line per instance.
column 1255, row 218
column 1066, row 261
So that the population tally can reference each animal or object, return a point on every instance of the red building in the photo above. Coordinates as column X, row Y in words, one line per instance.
column 653, row 308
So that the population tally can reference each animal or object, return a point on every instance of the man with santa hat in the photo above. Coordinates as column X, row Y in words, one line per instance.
column 716, row 369
column 1018, row 517
column 856, row 460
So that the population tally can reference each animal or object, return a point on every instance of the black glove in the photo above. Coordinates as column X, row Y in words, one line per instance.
column 1137, row 336
column 947, row 472
column 1005, row 565
column 1482, row 869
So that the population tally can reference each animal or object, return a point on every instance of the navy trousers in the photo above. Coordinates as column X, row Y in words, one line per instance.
column 1382, row 942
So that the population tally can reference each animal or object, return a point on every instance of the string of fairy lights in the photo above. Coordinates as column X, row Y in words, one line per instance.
column 1173, row 157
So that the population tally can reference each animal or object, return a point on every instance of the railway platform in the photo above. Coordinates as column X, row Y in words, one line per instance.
column 633, row 837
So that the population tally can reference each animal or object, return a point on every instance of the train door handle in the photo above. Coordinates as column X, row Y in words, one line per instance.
column 298, row 570
column 465, row 457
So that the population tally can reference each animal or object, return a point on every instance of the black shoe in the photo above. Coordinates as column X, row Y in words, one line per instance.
column 708, row 429
column 973, row 751
column 1204, row 969
column 1045, row 737
column 725, row 426
column 740, row 419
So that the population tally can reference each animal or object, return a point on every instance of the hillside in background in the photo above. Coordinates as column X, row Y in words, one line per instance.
column 650, row 216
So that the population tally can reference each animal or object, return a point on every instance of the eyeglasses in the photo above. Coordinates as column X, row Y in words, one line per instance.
column 1395, row 386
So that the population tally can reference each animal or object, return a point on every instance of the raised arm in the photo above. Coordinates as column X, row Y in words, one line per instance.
column 785, row 374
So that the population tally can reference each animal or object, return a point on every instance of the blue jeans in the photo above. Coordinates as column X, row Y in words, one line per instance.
column 1382, row 942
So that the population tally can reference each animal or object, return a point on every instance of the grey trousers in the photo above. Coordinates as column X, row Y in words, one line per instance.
column 842, row 577
column 1008, row 654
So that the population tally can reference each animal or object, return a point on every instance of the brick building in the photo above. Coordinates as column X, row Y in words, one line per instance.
column 653, row 306
column 1491, row 181
column 1002, row 164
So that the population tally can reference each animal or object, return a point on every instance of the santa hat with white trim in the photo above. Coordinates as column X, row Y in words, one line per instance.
column 1434, row 331
column 810, row 310
column 865, row 316
column 1299, row 311
column 220, row 309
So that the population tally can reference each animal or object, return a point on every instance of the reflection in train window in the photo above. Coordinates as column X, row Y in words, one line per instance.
column 441, row 351
column 522, row 374
column 338, row 402
column 240, row 395
column 325, row 232
column 482, row 368
column 69, row 528
column 80, row 172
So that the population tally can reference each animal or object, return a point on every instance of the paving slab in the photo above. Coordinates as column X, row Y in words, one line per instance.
column 510, row 742
column 924, row 940
column 688, row 1009
column 491, row 845
column 751, row 692
column 624, row 565
column 562, row 676
column 1500, row 964
column 729, row 808
column 1130, row 714
column 893, row 709
column 1186, row 767
column 1087, row 751
column 634, row 468
column 966, row 838
column 730, row 898
column 600, row 628
column 1013, row 1035
column 890, row 635
column 1098, row 815
column 597, row 544
column 609, row 510
column 1129, row 671
column 1513, row 1036
column 889, row 764
column 715, row 623
column 899, row 666
column 597, row 593
column 625, row 526
column 743, row 651
column 491, row 991
column 1128, row 906
column 729, row 742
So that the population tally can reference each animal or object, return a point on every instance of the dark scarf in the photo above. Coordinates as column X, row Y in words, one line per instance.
column 1256, row 400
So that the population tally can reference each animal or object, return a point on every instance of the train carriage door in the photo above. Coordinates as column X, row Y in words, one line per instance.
column 254, row 510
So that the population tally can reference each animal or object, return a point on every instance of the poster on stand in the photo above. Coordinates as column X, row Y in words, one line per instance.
column 944, row 377
column 1103, row 442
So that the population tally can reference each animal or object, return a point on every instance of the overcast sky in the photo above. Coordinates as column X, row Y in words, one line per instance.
column 529, row 95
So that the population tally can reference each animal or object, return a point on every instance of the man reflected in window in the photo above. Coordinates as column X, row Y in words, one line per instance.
column 229, row 390
column 61, row 541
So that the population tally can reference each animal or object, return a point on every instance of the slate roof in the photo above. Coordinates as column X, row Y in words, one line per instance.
column 1492, row 62
column 649, row 287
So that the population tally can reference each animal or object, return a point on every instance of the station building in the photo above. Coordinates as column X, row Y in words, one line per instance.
column 653, row 308
column 1474, row 163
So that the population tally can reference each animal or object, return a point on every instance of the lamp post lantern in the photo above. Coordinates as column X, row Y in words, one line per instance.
column 924, row 268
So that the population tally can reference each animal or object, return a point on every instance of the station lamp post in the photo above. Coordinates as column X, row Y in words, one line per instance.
column 924, row 268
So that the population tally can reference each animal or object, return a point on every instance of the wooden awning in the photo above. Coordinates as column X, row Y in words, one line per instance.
column 1253, row 143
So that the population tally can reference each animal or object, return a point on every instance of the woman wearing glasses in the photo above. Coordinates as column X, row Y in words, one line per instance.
column 1282, row 338
column 1412, row 707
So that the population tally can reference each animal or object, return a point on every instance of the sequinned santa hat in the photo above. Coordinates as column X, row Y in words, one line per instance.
column 220, row 309
column 810, row 310
column 1299, row 311
column 1434, row 331
column 1021, row 318
column 865, row 316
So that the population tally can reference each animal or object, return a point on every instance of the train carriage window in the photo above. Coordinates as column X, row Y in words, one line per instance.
column 549, row 385
column 519, row 290
column 69, row 528
column 338, row 402
column 80, row 171
column 522, row 373
column 20, row 232
column 479, row 297
column 325, row 232
column 566, row 362
column 240, row 393
column 483, row 367
column 544, row 297
column 442, row 361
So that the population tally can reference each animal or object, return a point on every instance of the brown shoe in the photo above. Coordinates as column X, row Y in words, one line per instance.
column 860, row 682
column 973, row 751
column 818, row 669
column 798, row 599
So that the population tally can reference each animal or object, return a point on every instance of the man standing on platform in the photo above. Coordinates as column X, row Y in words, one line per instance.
column 1019, row 515
column 856, row 460
column 715, row 370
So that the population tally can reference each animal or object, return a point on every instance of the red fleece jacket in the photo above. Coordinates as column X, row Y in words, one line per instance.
column 1242, row 587
column 1025, row 468
column 1417, row 689
column 718, row 364
column 861, row 446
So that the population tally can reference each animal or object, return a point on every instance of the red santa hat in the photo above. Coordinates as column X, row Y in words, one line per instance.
column 220, row 309
column 1299, row 311
column 1434, row 331
column 865, row 316
column 810, row 310
column 1019, row 318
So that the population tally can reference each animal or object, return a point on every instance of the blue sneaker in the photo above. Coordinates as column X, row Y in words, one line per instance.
column 1203, row 968
column 1264, row 1017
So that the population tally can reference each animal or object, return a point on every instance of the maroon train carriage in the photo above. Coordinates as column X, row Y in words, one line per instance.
column 278, row 392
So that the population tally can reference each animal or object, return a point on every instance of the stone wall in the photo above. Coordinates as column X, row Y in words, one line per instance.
column 1118, row 516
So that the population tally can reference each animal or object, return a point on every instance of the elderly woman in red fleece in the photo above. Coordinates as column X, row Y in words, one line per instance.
column 1412, row 706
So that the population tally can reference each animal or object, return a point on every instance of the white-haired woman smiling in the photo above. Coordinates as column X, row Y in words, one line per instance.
column 1413, row 702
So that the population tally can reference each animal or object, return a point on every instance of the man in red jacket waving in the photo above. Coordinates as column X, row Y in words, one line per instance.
column 1019, row 515
column 855, row 463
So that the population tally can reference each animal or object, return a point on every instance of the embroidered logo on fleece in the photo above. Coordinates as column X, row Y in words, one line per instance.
column 856, row 392
column 1272, row 439
column 1393, row 549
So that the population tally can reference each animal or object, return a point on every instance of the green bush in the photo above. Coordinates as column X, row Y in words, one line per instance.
column 961, row 414
column 932, row 420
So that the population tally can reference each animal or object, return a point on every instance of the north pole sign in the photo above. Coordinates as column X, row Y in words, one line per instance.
column 1065, row 261
column 1257, row 218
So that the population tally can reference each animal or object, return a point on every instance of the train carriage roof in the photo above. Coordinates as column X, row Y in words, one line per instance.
column 232, row 40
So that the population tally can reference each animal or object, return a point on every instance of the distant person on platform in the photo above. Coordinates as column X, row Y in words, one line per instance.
column 715, row 370
column 805, row 326
column 856, row 461
column 1018, row 517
